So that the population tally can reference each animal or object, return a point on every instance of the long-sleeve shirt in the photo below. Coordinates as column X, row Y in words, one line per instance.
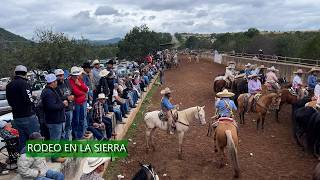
column 248, row 72
column 317, row 91
column 79, row 91
column 96, row 76
column 229, row 74
column 312, row 81
column 271, row 77
column 296, row 82
column 254, row 86
column 166, row 104
column 225, row 106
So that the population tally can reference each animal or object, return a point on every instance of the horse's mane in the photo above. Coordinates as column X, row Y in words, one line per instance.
column 140, row 175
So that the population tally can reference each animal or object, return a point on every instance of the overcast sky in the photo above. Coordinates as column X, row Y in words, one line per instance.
column 104, row 19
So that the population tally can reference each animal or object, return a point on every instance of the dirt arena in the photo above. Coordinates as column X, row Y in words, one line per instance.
column 275, row 154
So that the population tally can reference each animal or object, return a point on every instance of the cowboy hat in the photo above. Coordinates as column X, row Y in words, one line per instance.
column 272, row 69
column 225, row 93
column 231, row 62
column 248, row 65
column 262, row 67
column 95, row 62
column 240, row 75
column 253, row 75
column 58, row 72
column 91, row 164
column 166, row 91
column 101, row 96
column 75, row 71
column 314, row 69
column 299, row 71
column 104, row 73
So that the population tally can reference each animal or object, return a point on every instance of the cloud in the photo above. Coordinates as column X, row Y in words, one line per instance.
column 105, row 10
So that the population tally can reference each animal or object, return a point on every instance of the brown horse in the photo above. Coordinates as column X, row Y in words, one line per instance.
column 262, row 106
column 226, row 136
column 219, row 85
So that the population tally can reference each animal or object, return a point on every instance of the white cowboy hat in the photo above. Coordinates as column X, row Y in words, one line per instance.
column 95, row 62
column 225, row 93
column 272, row 69
column 104, row 73
column 248, row 65
column 299, row 71
column 262, row 67
column 75, row 71
column 253, row 75
column 314, row 69
column 101, row 96
column 91, row 164
column 58, row 72
column 136, row 71
column 166, row 91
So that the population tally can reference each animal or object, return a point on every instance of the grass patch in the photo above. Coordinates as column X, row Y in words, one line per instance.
column 113, row 167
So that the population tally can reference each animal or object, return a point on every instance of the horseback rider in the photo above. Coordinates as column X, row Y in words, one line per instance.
column 166, row 108
column 224, row 105
column 312, row 78
column 229, row 75
column 297, row 82
column 272, row 79
column 254, row 88
column 248, row 69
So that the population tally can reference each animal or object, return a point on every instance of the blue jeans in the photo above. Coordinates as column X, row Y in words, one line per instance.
column 78, row 121
column 26, row 126
column 68, row 128
column 108, row 124
column 56, row 131
column 96, row 132
column 146, row 80
column 118, row 114
column 52, row 175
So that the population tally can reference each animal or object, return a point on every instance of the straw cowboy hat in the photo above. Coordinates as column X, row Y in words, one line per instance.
column 225, row 93
column 314, row 69
column 95, row 62
column 75, row 71
column 91, row 164
column 253, row 75
column 248, row 65
column 166, row 91
column 272, row 69
column 104, row 73
column 299, row 71
column 101, row 96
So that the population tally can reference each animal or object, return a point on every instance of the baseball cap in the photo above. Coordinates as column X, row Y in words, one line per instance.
column 21, row 68
column 50, row 78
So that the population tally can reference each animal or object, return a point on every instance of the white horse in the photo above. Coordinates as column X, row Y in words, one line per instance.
column 182, row 125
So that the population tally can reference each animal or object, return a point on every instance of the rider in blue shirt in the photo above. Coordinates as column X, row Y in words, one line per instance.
column 312, row 78
column 225, row 106
column 166, row 108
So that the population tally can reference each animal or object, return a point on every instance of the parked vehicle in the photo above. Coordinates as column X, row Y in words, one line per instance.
column 4, row 106
column 4, row 82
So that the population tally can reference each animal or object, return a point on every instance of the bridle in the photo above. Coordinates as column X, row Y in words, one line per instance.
column 151, row 171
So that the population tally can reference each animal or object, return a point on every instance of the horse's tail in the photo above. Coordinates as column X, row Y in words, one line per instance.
column 233, row 153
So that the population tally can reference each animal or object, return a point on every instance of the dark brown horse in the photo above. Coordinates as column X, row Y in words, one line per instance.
column 219, row 85
column 261, row 108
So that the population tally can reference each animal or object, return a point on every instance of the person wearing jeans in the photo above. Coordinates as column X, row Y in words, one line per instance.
column 54, row 110
column 65, row 92
column 80, row 90
column 19, row 97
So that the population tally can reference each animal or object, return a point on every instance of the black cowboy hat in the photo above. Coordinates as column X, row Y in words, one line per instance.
column 110, row 62
column 86, row 65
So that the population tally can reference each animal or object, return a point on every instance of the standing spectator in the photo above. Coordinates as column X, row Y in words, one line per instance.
column 87, row 72
column 96, row 77
column 54, row 112
column 79, row 90
column 19, row 96
column 65, row 92
column 110, row 78
column 35, row 168
column 103, row 86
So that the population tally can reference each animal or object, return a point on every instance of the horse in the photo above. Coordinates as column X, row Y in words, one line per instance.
column 219, row 84
column 153, row 122
column 146, row 172
column 226, row 135
column 261, row 106
column 239, row 86
column 288, row 98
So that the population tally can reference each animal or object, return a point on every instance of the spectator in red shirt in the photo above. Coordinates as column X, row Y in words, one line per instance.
column 80, row 90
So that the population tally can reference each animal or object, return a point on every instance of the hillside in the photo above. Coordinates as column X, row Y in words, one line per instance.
column 9, row 36
column 105, row 42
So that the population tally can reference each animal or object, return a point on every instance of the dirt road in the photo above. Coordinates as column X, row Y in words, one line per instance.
column 275, row 154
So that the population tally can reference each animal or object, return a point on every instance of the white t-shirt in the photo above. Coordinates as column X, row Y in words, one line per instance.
column 115, row 94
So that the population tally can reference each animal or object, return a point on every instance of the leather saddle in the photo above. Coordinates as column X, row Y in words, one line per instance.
column 254, row 101
column 163, row 116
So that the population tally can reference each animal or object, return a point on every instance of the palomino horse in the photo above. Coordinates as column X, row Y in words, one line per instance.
column 261, row 106
column 226, row 135
column 153, row 122
column 146, row 172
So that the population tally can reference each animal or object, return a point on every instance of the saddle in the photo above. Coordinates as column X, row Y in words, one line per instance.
column 214, row 124
column 163, row 116
column 253, row 103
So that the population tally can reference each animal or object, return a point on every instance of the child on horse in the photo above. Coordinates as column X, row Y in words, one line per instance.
column 167, row 107
column 224, row 105
column 254, row 88
column 272, row 79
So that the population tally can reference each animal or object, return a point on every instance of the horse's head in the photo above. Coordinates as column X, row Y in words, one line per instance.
column 149, row 172
column 275, row 101
column 201, row 115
